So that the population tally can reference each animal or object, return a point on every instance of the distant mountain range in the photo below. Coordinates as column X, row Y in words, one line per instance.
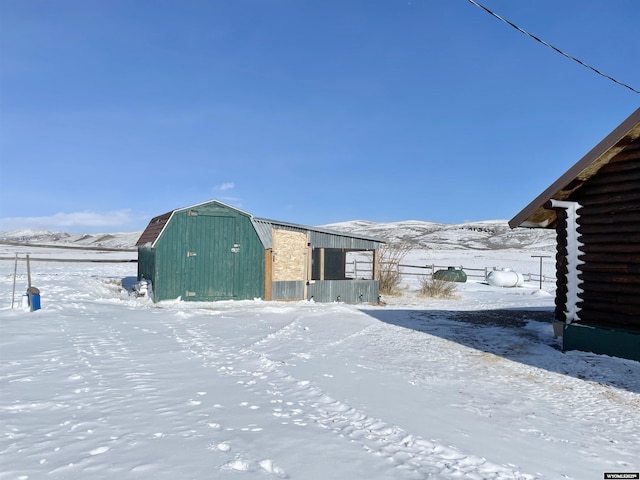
column 116, row 241
column 485, row 235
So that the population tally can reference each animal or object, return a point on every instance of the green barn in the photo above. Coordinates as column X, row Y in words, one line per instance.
column 212, row 251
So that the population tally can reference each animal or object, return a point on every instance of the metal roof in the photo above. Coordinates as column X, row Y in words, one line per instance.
column 156, row 225
column 154, row 229
column 535, row 215
column 319, row 237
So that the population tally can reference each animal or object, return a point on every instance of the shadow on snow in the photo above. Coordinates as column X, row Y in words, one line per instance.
column 521, row 335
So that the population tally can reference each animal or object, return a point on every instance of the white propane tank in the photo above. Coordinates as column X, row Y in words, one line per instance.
column 505, row 277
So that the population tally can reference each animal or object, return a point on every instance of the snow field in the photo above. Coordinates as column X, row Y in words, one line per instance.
column 99, row 384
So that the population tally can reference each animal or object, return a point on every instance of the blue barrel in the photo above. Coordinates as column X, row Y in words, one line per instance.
column 35, row 301
column 34, row 295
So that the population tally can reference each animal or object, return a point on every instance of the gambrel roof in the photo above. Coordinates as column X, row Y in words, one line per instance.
column 321, row 237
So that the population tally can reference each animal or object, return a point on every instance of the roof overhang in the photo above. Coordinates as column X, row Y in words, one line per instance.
column 535, row 215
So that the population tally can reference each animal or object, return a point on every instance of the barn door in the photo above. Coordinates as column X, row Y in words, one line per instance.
column 211, row 257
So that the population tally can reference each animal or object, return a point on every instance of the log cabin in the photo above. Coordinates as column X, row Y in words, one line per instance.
column 595, row 209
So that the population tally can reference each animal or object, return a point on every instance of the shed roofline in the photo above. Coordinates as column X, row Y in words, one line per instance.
column 606, row 147
column 153, row 244
column 213, row 201
column 173, row 212
column 321, row 230
column 265, row 220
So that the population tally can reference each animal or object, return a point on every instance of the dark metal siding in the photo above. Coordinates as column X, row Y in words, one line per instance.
column 348, row 291
column 337, row 240
column 263, row 229
column 319, row 238
column 289, row 290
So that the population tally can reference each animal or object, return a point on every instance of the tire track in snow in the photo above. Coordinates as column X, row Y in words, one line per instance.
column 300, row 402
column 85, row 393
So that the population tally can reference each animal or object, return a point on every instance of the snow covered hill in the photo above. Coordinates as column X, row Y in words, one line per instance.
column 487, row 235
column 118, row 241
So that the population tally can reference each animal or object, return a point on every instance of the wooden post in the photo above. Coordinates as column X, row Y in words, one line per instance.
column 29, row 283
column 375, row 274
column 15, row 271
column 268, row 274
column 28, row 271
column 308, row 268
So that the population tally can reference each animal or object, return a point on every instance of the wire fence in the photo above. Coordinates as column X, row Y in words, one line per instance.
column 364, row 269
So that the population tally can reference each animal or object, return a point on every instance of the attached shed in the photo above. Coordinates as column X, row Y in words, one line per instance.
column 595, row 209
column 212, row 251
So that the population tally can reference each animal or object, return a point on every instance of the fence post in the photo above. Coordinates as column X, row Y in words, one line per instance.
column 15, row 271
column 29, row 294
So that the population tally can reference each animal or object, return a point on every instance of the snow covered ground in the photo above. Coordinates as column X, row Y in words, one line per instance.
column 99, row 384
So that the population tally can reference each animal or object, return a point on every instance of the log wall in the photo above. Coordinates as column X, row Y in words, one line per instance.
column 561, row 266
column 609, row 228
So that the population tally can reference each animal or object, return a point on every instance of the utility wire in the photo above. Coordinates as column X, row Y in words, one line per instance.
column 551, row 46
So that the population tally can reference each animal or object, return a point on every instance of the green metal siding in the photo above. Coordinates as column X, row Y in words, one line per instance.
column 250, row 267
column 226, row 259
column 210, row 262
column 146, row 264
column 170, row 257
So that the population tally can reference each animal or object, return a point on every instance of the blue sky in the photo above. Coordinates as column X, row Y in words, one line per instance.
column 313, row 112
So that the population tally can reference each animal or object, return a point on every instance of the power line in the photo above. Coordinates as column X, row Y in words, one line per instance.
column 551, row 46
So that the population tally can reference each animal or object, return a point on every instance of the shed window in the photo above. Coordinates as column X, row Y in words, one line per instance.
column 341, row 264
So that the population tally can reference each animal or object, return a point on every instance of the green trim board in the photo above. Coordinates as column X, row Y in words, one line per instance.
column 607, row 341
